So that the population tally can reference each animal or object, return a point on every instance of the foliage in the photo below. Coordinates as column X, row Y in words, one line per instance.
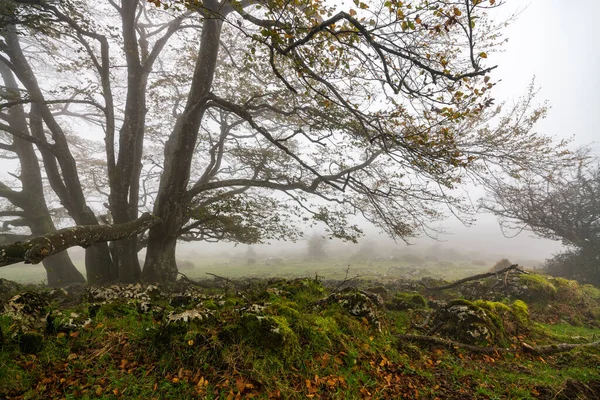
column 559, row 204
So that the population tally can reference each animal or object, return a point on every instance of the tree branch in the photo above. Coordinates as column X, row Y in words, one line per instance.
column 34, row 250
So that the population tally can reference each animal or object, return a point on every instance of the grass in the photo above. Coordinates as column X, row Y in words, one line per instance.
column 327, row 354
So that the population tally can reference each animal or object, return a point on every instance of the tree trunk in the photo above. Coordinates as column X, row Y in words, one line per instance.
column 172, row 198
column 60, row 166
column 161, row 257
column 60, row 269
column 36, row 249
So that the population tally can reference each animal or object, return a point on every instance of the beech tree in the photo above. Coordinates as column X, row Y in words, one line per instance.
column 246, row 120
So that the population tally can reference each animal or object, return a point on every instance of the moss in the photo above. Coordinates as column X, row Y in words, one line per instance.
column 116, row 309
column 591, row 291
column 521, row 312
column 287, row 309
column 538, row 287
column 30, row 342
column 210, row 304
column 406, row 301
column 493, row 306
column 270, row 333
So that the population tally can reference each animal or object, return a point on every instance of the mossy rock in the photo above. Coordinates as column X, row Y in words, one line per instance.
column 30, row 342
column 406, row 301
column 534, row 287
column 469, row 323
column 357, row 303
column 269, row 333
column 321, row 333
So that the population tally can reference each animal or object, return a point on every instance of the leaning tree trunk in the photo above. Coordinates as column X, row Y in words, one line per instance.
column 36, row 249
column 172, row 197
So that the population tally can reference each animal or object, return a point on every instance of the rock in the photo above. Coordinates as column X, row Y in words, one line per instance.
column 358, row 303
column 466, row 322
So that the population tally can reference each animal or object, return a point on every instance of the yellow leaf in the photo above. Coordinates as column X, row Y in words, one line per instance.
column 175, row 380
column 61, row 335
column 483, row 55
column 457, row 12
column 352, row 12
column 190, row 342
column 98, row 390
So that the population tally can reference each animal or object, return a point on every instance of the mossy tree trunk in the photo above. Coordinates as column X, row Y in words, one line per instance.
column 36, row 249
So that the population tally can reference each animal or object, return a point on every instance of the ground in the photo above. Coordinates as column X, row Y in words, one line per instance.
column 301, row 338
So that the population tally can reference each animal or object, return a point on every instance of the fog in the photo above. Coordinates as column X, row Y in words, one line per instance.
column 549, row 41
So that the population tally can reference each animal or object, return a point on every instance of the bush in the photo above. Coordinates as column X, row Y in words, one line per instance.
column 500, row 265
column 581, row 265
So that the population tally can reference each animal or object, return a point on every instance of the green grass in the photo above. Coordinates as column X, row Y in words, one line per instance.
column 325, row 353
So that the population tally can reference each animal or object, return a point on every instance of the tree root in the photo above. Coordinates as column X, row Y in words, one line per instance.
column 525, row 348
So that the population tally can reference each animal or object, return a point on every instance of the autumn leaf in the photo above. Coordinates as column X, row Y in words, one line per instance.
column 483, row 55
column 352, row 12
column 457, row 12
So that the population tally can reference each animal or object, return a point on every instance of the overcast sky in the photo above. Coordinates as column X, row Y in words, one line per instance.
column 555, row 41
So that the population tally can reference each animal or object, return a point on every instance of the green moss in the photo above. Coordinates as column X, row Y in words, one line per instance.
column 406, row 301
column 210, row 304
column 538, row 287
column 270, row 333
column 591, row 291
column 493, row 306
column 116, row 309
column 521, row 312
column 287, row 309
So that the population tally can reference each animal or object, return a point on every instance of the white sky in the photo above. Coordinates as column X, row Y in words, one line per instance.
column 557, row 42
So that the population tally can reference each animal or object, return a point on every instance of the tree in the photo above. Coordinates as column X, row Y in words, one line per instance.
column 561, row 204
column 380, row 110
column 315, row 247
column 29, row 206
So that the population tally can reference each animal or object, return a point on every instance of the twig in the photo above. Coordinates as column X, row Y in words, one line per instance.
column 345, row 281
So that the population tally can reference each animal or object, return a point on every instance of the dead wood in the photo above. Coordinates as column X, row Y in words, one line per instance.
column 475, row 278
column 525, row 348
column 34, row 250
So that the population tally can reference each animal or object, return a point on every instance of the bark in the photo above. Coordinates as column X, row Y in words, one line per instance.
column 60, row 269
column 172, row 197
column 59, row 163
column 34, row 250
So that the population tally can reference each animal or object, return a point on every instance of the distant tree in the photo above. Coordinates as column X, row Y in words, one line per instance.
column 316, row 247
column 562, row 204
column 251, row 255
